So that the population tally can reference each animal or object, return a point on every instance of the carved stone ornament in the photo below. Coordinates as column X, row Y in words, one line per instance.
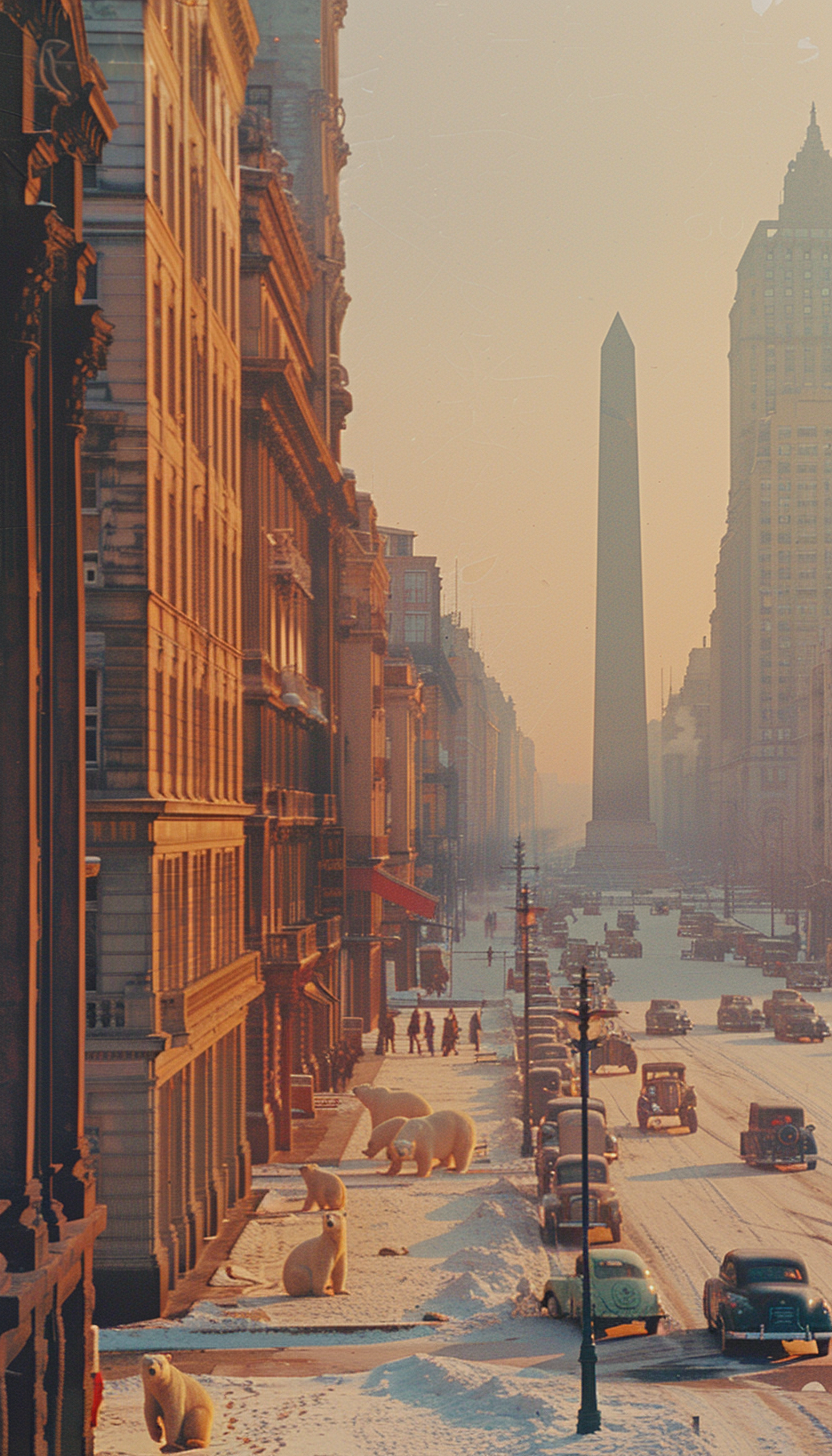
column 37, row 257
column 92, row 336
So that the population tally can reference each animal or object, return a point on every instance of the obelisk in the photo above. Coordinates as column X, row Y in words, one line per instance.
column 621, row 846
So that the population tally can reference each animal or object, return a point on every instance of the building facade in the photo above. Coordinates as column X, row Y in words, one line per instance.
column 685, row 790
column 774, row 577
column 169, row 975
column 55, row 121
column 296, row 501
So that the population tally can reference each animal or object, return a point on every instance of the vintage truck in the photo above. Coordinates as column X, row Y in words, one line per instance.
column 738, row 1013
column 620, row 1289
column 665, row 1100
column 559, row 1211
column 799, row 1023
column 561, row 1134
column 779, row 1000
column 665, row 1017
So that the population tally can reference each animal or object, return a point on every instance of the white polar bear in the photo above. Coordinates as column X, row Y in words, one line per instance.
column 382, row 1103
column 319, row 1266
column 444, row 1137
column 323, row 1190
column 176, row 1408
column 383, row 1137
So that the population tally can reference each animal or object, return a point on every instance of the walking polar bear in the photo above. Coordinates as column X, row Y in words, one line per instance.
column 176, row 1408
column 319, row 1266
column 444, row 1137
column 323, row 1190
column 383, row 1137
column 382, row 1103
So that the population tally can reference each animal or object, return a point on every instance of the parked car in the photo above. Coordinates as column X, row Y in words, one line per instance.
column 781, row 998
column 659, row 907
column 665, row 1099
column 615, row 1051
column 559, row 1211
column 626, row 920
column 775, row 956
column 777, row 1138
column 544, row 1084
column 556, row 1105
column 620, row 1290
column 766, row 1297
column 664, row 1017
column 737, row 1013
column 798, row 1023
column 619, row 943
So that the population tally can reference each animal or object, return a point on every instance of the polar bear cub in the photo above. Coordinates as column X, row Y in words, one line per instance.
column 323, row 1190
column 319, row 1266
column 383, row 1137
column 444, row 1137
column 383, row 1103
column 176, row 1408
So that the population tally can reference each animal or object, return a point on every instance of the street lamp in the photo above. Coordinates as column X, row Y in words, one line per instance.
column 589, row 1416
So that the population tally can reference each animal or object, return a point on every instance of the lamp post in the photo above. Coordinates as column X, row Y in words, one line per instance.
column 589, row 1416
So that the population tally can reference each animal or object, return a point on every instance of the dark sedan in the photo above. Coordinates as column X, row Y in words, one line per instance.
column 766, row 1297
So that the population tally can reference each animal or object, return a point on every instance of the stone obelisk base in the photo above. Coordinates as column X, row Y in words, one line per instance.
column 621, row 856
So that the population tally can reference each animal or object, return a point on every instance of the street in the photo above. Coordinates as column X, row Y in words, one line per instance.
column 468, row 1250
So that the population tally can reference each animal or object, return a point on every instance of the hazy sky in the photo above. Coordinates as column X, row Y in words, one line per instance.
column 519, row 173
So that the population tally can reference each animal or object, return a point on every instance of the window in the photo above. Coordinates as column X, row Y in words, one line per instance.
column 156, row 148
column 92, row 718
column 157, row 340
column 91, row 573
column 91, row 934
column 89, row 487
column 416, row 586
column 259, row 98
column 416, row 627
column 172, row 361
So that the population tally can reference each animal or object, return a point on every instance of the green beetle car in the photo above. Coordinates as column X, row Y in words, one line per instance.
column 621, row 1292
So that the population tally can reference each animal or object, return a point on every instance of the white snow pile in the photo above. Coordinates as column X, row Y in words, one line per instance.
column 489, row 1260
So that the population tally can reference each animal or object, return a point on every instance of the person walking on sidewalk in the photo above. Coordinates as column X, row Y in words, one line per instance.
column 450, row 1034
column 430, row 1031
column 414, row 1031
column 390, row 1033
column 474, row 1030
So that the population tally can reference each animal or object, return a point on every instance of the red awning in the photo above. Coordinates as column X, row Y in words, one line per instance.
column 377, row 882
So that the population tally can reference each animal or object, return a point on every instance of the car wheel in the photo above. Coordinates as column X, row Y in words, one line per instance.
column 553, row 1309
column 823, row 1346
column 725, row 1340
column 693, row 1120
column 811, row 1164
column 547, row 1232
column 642, row 1123
column 599, row 1329
column 652, row 1324
column 615, row 1230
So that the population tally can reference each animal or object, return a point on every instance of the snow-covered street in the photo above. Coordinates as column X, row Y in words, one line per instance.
column 313, row 1376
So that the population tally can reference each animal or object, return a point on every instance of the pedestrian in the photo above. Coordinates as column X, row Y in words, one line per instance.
column 490, row 954
column 474, row 1030
column 413, row 1031
column 429, row 1030
column 450, row 1034
column 390, row 1033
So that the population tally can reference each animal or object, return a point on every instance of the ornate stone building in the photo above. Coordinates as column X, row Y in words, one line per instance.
column 54, row 121
column 169, row 974
column 296, row 503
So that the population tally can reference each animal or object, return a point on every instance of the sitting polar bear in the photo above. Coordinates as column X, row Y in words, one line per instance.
column 443, row 1137
column 382, row 1103
column 319, row 1266
column 176, row 1408
column 382, row 1137
column 323, row 1190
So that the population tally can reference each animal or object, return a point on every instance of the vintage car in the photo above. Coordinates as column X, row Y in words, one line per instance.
column 622, row 945
column 562, row 1136
column 615, row 1053
column 599, row 973
column 574, row 953
column 592, row 905
column 659, row 907
column 666, row 1018
column 782, row 998
column 626, row 920
column 737, row 1013
column 799, row 1023
column 544, row 1084
column 665, row 1099
column 776, row 1138
column 620, row 1290
column 806, row 976
column 774, row 956
column 557, row 1105
column 559, row 1211
column 765, row 1297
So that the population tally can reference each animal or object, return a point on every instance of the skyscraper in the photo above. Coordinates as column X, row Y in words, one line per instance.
column 620, row 839
column 774, row 577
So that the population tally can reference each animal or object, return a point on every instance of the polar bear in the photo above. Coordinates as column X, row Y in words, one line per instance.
column 443, row 1137
column 382, row 1103
column 323, row 1190
column 382, row 1137
column 319, row 1266
column 176, row 1408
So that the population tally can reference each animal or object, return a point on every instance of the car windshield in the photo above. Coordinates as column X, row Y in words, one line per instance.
column 616, row 1269
column 569, row 1171
column 773, row 1271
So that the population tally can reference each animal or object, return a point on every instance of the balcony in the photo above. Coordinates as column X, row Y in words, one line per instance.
column 291, row 947
column 296, row 692
column 286, row 564
column 124, row 1012
column 292, row 805
column 223, row 992
column 326, row 808
column 328, row 932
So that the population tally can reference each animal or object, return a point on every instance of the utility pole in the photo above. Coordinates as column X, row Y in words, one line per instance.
column 523, row 918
